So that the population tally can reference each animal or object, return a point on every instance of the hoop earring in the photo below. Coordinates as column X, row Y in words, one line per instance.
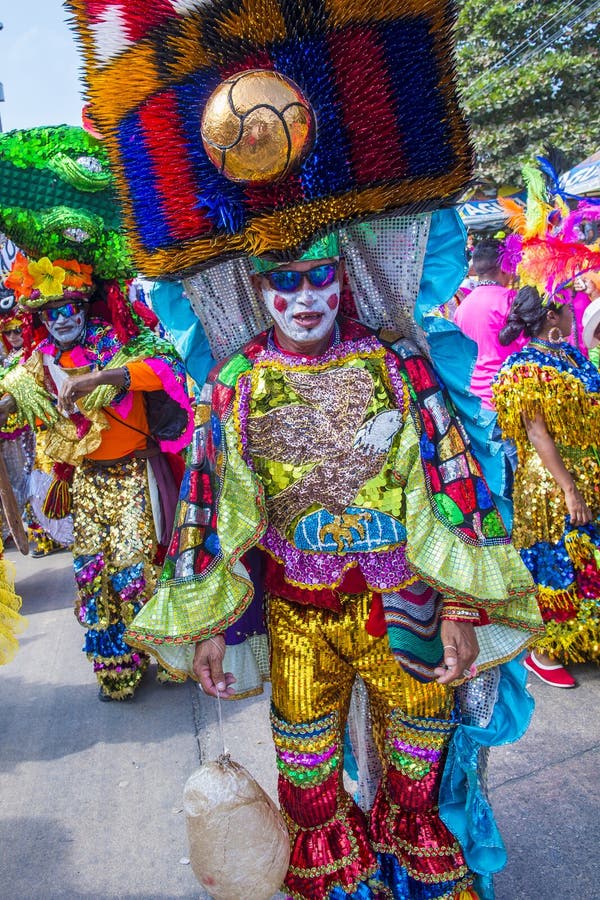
column 555, row 335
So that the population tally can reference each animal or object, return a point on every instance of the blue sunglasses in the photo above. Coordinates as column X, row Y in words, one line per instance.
column 66, row 311
column 289, row 280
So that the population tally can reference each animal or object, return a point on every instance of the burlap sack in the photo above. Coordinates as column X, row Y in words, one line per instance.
column 239, row 845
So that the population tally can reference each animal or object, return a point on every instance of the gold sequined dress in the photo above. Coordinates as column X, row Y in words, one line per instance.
column 562, row 386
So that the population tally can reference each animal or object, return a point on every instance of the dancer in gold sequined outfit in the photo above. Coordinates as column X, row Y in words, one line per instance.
column 548, row 401
column 328, row 475
column 92, row 389
column 338, row 457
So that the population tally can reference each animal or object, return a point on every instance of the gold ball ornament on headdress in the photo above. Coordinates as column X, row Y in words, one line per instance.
column 257, row 126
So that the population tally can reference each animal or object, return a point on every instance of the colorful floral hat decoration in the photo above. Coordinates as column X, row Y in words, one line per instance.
column 36, row 283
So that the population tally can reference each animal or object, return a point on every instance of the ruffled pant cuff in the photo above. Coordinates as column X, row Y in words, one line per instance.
column 335, row 855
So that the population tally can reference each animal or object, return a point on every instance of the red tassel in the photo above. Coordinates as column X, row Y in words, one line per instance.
column 57, row 503
column 120, row 312
column 28, row 333
column 148, row 317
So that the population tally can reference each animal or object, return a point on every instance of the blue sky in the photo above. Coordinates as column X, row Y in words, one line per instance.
column 39, row 65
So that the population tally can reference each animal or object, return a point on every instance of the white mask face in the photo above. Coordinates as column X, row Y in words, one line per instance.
column 306, row 315
column 67, row 330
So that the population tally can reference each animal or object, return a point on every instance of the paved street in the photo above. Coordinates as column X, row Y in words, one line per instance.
column 91, row 792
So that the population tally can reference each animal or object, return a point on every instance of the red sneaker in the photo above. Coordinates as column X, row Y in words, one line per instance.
column 555, row 675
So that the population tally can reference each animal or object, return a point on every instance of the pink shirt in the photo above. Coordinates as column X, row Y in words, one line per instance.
column 481, row 316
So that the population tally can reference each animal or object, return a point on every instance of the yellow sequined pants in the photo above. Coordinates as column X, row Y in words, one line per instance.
column 316, row 655
column 114, row 545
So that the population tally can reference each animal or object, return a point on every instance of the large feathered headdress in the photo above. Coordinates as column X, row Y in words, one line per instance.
column 245, row 127
column 547, row 249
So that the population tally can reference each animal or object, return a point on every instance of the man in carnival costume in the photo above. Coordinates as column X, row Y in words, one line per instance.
column 111, row 394
column 329, row 475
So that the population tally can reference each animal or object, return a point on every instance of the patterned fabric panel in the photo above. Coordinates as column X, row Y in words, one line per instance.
column 461, row 499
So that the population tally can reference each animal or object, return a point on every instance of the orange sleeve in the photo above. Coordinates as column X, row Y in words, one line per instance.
column 143, row 378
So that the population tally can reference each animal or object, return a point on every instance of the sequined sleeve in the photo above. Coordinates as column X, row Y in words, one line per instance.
column 204, row 587
column 25, row 383
column 456, row 539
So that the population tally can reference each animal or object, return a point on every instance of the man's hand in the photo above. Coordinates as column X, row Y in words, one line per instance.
column 74, row 387
column 7, row 406
column 208, row 668
column 460, row 652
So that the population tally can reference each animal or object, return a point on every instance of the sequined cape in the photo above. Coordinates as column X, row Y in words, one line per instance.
column 564, row 388
column 449, row 534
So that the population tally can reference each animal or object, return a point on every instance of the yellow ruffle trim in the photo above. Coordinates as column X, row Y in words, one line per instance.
column 63, row 443
column 11, row 623
column 571, row 414
column 580, row 549
column 574, row 641
column 551, row 600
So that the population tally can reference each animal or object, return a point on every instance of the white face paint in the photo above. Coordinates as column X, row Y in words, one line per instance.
column 67, row 330
column 307, row 315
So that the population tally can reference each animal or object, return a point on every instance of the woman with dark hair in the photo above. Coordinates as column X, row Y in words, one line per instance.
column 548, row 401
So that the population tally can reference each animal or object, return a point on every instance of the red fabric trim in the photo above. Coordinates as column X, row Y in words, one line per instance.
column 405, row 816
column 376, row 623
column 353, row 582
column 341, row 843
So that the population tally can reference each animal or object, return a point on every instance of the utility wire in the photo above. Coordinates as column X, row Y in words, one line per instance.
column 572, row 23
column 528, row 41
column 580, row 16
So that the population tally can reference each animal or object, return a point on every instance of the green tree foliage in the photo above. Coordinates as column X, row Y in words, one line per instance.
column 529, row 73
